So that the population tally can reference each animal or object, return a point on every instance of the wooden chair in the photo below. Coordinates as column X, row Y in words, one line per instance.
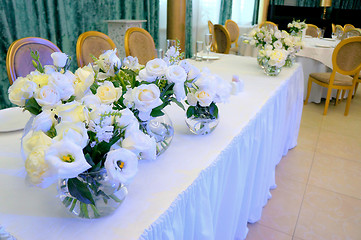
column 233, row 30
column 312, row 30
column 19, row 60
column 222, row 39
column 92, row 43
column 348, row 27
column 269, row 25
column 346, row 60
column 211, row 31
column 139, row 43
column 339, row 31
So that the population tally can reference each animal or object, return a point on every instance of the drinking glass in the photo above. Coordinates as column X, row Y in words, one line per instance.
column 171, row 43
column 208, row 43
column 199, row 49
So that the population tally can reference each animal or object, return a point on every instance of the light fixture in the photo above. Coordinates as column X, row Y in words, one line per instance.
column 325, row 4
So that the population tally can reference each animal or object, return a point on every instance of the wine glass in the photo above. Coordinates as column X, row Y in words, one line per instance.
column 208, row 43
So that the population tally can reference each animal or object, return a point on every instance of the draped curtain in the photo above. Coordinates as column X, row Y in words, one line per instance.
column 347, row 4
column 308, row 3
column 189, row 38
column 62, row 21
column 225, row 11
column 277, row 2
column 255, row 12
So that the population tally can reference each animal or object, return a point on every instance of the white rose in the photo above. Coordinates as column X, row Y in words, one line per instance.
column 110, row 59
column 66, row 159
column 63, row 85
column 38, row 171
column 38, row 78
column 268, row 47
column 298, row 25
column 48, row 69
column 176, row 74
column 48, row 96
column 44, row 121
column 59, row 59
column 290, row 25
column 84, row 78
column 145, row 76
column 108, row 93
column 156, row 67
column 278, row 34
column 204, row 97
column 140, row 144
column 71, row 112
column 179, row 91
column 71, row 131
column 132, row 63
column 128, row 121
column 34, row 139
column 90, row 100
column 121, row 165
column 278, row 44
column 185, row 65
column 277, row 58
column 146, row 97
column 191, row 99
column 193, row 73
column 21, row 90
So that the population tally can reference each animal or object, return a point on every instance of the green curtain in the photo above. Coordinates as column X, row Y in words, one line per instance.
column 347, row 4
column 308, row 3
column 277, row 2
column 62, row 21
column 189, row 39
column 225, row 11
column 255, row 12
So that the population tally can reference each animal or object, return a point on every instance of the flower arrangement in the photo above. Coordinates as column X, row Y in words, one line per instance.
column 296, row 27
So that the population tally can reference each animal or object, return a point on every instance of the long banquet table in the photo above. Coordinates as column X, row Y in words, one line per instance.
column 202, row 187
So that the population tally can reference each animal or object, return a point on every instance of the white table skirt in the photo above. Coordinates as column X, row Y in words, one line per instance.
column 202, row 187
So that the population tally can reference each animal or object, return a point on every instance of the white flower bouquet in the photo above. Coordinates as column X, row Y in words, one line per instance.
column 76, row 131
column 297, row 27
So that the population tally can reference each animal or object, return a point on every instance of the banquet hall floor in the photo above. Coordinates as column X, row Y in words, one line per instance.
column 318, row 183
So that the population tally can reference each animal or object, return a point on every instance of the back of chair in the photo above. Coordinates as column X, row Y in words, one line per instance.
column 269, row 25
column 346, row 58
column 139, row 43
column 19, row 60
column 92, row 43
column 354, row 32
column 233, row 29
column 338, row 31
column 222, row 39
column 312, row 30
column 348, row 27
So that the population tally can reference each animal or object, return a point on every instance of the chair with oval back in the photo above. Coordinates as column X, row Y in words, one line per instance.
column 92, row 43
column 19, row 60
column 312, row 30
column 233, row 30
column 339, row 31
column 346, row 61
column 222, row 39
column 139, row 43
column 211, row 31
column 269, row 25
column 353, row 32
column 348, row 27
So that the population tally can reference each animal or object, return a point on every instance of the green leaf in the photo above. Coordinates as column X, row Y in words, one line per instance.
column 80, row 191
column 32, row 106
column 52, row 132
column 178, row 103
column 190, row 111
column 213, row 110
column 94, row 88
column 156, row 113
column 89, row 159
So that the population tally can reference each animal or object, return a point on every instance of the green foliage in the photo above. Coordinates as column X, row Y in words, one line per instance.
column 52, row 132
column 198, row 111
column 80, row 191
column 32, row 106
column 36, row 62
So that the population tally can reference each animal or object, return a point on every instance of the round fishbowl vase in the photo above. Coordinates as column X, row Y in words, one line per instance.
column 203, row 123
column 161, row 128
column 106, row 194
column 261, row 60
column 272, row 70
column 290, row 61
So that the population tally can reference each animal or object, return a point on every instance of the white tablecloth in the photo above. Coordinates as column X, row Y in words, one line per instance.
column 202, row 187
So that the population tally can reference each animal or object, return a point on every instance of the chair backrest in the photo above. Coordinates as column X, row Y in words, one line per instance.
column 333, row 27
column 348, row 27
column 222, row 39
column 233, row 29
column 346, row 58
column 139, row 43
column 269, row 25
column 211, row 31
column 19, row 60
column 339, row 31
column 353, row 32
column 92, row 43
column 312, row 30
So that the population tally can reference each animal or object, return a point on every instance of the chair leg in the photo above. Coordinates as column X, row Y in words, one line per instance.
column 348, row 101
column 337, row 96
column 309, row 85
column 356, row 88
column 327, row 100
column 343, row 94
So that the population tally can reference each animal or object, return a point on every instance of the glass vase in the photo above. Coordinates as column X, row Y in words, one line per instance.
column 290, row 61
column 261, row 60
column 161, row 128
column 106, row 193
column 202, row 122
column 271, row 70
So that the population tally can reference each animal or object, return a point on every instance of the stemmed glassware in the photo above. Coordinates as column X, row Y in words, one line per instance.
column 208, row 43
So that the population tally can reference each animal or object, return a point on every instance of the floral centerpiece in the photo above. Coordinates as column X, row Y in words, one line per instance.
column 292, row 44
column 297, row 28
column 78, row 136
column 204, row 92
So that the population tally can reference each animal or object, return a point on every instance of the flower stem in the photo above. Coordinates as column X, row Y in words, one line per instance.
column 115, row 198
column 73, row 205
column 95, row 210
column 84, row 210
